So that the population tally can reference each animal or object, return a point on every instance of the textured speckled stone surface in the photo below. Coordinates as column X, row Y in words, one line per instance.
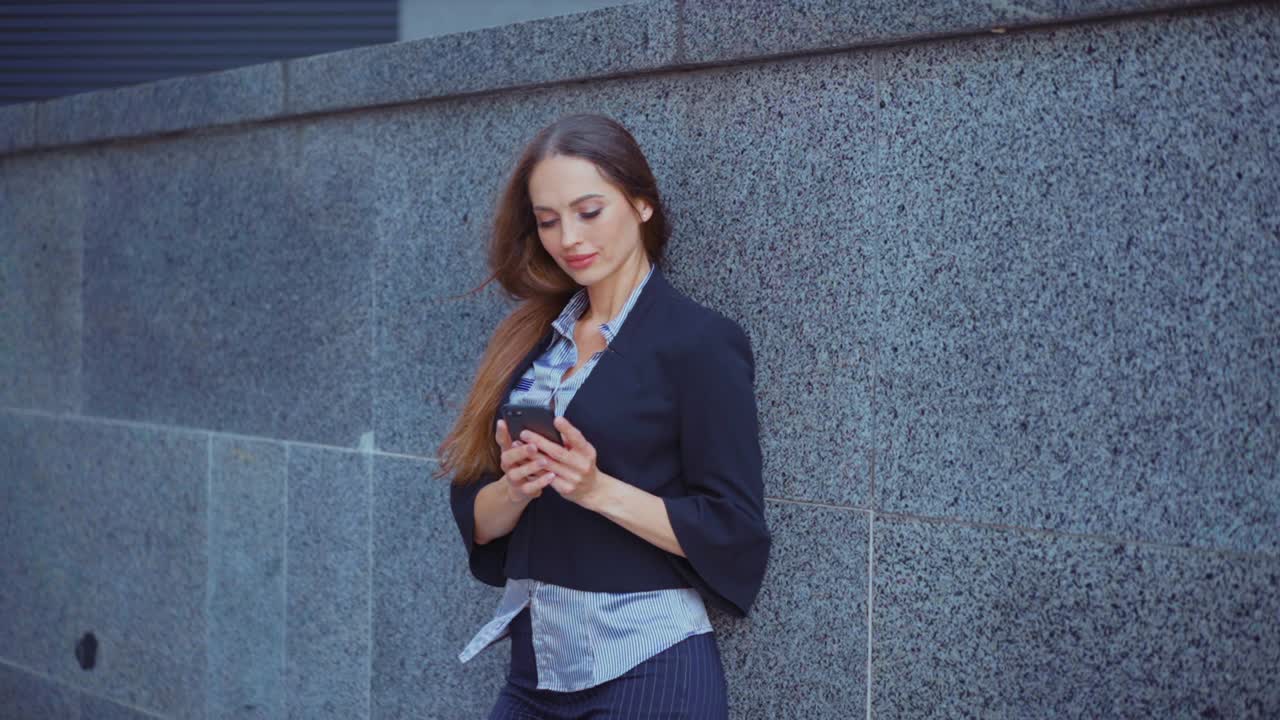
column 104, row 530
column 771, row 206
column 254, row 92
column 327, row 584
column 426, row 603
column 618, row 40
column 432, row 171
column 614, row 40
column 17, row 127
column 984, row 622
column 246, row 598
column 227, row 285
column 714, row 30
column 24, row 695
column 1081, row 280
column 1027, row 280
column 802, row 650
column 41, row 219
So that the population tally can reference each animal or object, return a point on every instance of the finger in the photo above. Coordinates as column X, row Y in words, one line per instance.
column 575, row 439
column 502, row 435
column 564, row 469
column 533, row 485
column 561, row 485
column 554, row 449
column 511, row 457
column 533, row 488
column 518, row 454
column 529, row 471
column 572, row 438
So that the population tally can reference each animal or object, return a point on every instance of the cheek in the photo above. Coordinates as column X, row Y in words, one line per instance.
column 609, row 231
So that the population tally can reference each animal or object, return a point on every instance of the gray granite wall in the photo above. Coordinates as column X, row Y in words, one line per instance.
column 1011, row 273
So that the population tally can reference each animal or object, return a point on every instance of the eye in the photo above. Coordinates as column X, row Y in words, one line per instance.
column 585, row 216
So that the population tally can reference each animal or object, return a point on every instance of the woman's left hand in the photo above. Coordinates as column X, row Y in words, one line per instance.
column 576, row 476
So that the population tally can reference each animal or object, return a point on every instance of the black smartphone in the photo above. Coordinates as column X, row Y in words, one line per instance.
column 531, row 417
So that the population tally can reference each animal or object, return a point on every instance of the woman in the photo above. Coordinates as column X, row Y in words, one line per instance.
column 607, row 545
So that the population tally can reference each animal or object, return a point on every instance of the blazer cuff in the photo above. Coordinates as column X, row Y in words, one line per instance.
column 726, row 550
column 488, row 561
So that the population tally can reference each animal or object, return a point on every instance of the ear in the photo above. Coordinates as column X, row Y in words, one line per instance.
column 645, row 210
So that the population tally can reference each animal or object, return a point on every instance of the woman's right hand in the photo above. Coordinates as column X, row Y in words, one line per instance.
column 522, row 466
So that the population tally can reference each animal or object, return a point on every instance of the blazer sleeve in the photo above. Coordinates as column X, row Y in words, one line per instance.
column 720, row 523
column 487, row 561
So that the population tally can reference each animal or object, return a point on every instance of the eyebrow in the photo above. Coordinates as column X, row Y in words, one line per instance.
column 574, row 202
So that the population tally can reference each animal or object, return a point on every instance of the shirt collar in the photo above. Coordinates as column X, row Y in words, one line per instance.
column 578, row 303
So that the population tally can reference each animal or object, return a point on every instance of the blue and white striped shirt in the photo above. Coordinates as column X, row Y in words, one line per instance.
column 583, row 638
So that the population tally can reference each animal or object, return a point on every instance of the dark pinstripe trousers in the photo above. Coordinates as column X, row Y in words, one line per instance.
column 684, row 681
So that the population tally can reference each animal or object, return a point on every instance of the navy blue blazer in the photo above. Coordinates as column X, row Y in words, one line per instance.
column 670, row 408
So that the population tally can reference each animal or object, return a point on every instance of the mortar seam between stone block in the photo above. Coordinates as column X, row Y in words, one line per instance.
column 190, row 430
column 284, row 594
column 871, row 535
column 80, row 692
column 209, row 571
column 368, row 477
column 1095, row 537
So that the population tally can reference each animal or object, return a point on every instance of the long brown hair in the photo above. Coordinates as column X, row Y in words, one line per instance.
column 527, row 273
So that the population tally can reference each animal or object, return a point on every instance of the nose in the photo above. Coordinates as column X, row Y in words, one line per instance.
column 569, row 236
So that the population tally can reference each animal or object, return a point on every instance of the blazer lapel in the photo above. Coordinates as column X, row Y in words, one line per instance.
column 611, row 368
column 614, row 367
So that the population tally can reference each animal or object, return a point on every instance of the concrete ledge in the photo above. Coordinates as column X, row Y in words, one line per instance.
column 639, row 37
column 610, row 41
column 17, row 127
column 250, row 93
column 716, row 32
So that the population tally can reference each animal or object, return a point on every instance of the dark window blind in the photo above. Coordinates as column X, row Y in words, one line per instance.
column 49, row 49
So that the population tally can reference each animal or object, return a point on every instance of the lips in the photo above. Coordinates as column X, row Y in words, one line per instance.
column 580, row 261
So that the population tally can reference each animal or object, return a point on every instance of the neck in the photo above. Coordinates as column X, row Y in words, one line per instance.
column 609, row 295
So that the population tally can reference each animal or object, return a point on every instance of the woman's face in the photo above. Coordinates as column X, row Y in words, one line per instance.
column 581, row 216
